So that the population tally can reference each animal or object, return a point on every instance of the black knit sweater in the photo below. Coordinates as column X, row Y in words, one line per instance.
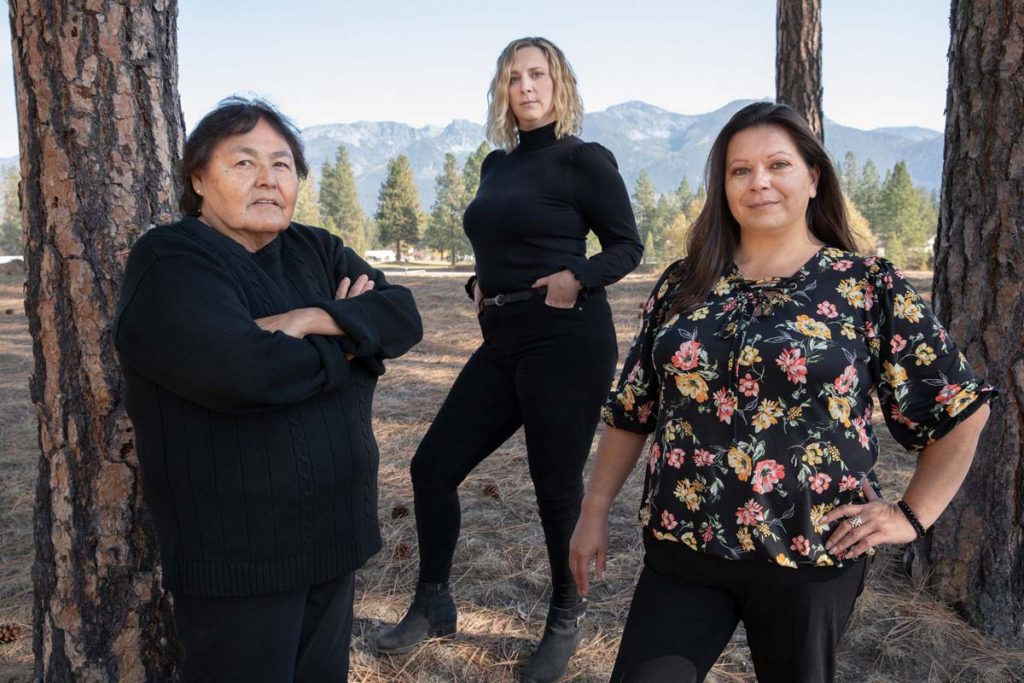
column 535, row 206
column 258, row 462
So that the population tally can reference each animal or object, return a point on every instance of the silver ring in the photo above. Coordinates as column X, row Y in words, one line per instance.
column 855, row 521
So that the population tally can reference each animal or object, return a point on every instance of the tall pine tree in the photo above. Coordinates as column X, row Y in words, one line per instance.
column 100, row 132
column 398, row 206
column 471, row 171
column 685, row 197
column 645, row 208
column 444, row 228
column 899, row 223
column 307, row 211
column 867, row 193
column 975, row 553
column 848, row 173
column 339, row 202
column 665, row 213
column 798, row 59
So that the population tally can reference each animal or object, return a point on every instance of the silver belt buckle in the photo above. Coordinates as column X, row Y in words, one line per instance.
column 499, row 300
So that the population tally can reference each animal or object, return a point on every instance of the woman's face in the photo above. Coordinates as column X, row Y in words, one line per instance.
column 531, row 92
column 767, row 183
column 249, row 186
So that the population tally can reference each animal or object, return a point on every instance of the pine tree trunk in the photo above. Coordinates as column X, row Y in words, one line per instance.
column 100, row 130
column 976, row 552
column 798, row 59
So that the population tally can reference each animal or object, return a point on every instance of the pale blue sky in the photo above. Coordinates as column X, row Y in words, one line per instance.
column 422, row 62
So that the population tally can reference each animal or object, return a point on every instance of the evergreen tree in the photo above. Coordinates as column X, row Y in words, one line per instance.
column 470, row 183
column 471, row 172
column 684, row 197
column 398, row 206
column 340, row 210
column 798, row 60
column 329, row 197
column 645, row 206
column 99, row 610
column 444, row 227
column 307, row 211
column 899, row 223
column 867, row 193
column 12, row 237
column 649, row 249
column 975, row 554
column 664, row 214
column 848, row 174
column 928, row 214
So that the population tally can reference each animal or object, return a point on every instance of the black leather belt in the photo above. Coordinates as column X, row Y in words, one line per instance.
column 513, row 297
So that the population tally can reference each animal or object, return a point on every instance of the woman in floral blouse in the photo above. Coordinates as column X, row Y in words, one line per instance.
column 754, row 368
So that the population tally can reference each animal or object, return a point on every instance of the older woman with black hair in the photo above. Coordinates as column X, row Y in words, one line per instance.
column 755, row 368
column 251, row 346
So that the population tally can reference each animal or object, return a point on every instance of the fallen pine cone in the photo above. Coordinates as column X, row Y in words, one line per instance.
column 403, row 551
column 9, row 633
column 399, row 511
column 491, row 491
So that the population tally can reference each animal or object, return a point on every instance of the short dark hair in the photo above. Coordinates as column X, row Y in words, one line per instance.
column 233, row 116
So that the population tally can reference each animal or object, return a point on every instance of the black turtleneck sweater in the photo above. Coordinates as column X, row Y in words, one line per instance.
column 258, row 462
column 535, row 206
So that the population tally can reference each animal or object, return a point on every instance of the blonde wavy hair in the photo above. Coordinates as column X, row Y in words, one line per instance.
column 502, row 127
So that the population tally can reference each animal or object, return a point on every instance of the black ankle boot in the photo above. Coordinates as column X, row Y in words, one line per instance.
column 431, row 614
column 562, row 635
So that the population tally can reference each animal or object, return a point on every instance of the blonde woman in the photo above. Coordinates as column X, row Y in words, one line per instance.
column 548, row 351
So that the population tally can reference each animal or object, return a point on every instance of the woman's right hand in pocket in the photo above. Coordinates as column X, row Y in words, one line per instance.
column 478, row 299
column 589, row 543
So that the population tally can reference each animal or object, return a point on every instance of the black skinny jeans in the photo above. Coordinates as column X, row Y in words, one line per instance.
column 542, row 368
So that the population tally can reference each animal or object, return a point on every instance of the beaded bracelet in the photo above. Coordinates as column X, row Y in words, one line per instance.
column 911, row 517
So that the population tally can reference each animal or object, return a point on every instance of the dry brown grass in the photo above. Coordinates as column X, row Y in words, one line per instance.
column 18, row 460
column 898, row 633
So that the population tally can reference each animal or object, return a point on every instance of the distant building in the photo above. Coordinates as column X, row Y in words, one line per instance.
column 383, row 255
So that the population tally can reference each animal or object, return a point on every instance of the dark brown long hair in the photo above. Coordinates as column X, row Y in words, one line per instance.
column 716, row 234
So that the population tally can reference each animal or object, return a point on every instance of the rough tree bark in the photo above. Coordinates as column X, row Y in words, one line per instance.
column 100, row 130
column 798, row 59
column 975, row 555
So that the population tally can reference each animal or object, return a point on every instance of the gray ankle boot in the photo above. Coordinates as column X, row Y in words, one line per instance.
column 431, row 614
column 562, row 635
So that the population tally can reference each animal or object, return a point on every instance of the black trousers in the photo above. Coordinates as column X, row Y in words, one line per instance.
column 687, row 605
column 542, row 368
column 300, row 636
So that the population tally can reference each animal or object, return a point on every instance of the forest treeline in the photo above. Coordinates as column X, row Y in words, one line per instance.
column 889, row 214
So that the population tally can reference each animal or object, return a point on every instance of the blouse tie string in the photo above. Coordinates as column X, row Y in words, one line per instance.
column 750, row 300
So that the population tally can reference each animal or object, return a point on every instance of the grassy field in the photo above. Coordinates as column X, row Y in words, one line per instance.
column 898, row 633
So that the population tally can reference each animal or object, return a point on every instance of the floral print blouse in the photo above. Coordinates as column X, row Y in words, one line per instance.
column 760, row 401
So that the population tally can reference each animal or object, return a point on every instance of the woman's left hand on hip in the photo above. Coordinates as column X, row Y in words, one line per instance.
column 862, row 527
column 563, row 289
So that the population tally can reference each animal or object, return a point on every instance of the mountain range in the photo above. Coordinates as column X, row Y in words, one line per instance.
column 665, row 144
